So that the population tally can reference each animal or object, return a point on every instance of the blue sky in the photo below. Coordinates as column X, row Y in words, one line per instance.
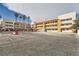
column 5, row 12
column 9, row 14
column 44, row 11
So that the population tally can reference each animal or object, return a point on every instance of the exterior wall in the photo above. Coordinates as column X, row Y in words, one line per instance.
column 46, row 26
column 62, row 24
column 68, row 15
column 7, row 24
column 28, row 27
column 18, row 25
column 40, row 27
column 8, row 21
column 78, row 31
column 51, row 25
column 22, row 26
column 55, row 25
column 59, row 25
column 66, row 21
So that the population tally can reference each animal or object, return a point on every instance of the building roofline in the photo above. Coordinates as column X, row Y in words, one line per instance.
column 68, row 13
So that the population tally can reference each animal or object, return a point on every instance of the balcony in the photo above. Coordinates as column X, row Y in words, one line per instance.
column 39, row 25
column 49, row 24
column 66, row 30
column 55, row 23
column 66, row 26
column 9, row 27
column 66, row 22
column 52, row 27
column 55, row 31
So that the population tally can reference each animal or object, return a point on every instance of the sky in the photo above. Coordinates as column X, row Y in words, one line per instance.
column 5, row 12
column 43, row 11
column 8, row 14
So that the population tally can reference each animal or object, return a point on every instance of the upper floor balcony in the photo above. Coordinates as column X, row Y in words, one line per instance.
column 66, row 26
column 65, row 22
column 52, row 27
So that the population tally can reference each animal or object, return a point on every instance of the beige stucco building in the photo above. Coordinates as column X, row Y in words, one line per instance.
column 66, row 21
column 62, row 24
column 8, row 24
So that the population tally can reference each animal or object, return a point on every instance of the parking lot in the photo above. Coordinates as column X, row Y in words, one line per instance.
column 39, row 44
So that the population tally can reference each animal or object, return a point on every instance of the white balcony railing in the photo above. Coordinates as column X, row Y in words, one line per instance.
column 54, row 23
column 66, row 30
column 8, row 27
column 65, row 22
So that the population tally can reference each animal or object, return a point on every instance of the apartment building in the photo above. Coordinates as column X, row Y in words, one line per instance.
column 19, row 26
column 33, row 26
column 62, row 24
column 51, row 25
column 38, row 26
column 6, row 24
column 22, row 25
column 46, row 26
column 66, row 21
column 12, row 20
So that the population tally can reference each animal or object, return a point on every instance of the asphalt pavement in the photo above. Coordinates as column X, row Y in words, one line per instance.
column 39, row 44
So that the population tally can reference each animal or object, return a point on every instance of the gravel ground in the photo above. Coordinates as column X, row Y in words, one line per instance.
column 39, row 44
